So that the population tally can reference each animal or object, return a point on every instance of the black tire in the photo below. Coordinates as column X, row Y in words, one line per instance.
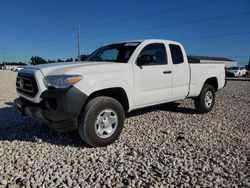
column 200, row 102
column 88, row 117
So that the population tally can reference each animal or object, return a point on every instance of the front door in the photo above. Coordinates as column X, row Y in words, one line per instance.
column 153, row 79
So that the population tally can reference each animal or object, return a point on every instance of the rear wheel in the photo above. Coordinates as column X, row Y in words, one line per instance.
column 205, row 101
column 101, row 121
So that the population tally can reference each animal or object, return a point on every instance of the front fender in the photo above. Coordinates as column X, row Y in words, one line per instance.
column 90, row 87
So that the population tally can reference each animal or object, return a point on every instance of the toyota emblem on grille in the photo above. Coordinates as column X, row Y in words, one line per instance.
column 21, row 83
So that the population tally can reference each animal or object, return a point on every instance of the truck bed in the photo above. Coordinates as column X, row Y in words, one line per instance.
column 200, row 72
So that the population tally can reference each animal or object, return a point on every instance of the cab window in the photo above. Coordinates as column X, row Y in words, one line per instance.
column 176, row 53
column 153, row 54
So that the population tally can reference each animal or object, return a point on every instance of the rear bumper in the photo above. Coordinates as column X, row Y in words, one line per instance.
column 59, row 107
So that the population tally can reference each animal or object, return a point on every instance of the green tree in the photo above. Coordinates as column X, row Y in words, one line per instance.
column 60, row 60
column 69, row 60
column 36, row 60
column 84, row 57
column 51, row 61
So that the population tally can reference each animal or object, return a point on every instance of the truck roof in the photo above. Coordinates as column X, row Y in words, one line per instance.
column 154, row 40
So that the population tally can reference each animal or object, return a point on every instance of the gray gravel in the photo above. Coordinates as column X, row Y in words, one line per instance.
column 165, row 146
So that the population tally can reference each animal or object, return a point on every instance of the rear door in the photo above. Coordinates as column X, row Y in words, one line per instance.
column 153, row 81
column 181, row 71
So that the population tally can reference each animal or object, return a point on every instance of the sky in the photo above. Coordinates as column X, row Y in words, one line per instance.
column 48, row 28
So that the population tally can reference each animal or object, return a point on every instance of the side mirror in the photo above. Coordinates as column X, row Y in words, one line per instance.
column 145, row 59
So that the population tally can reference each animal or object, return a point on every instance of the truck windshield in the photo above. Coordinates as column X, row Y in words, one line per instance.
column 119, row 53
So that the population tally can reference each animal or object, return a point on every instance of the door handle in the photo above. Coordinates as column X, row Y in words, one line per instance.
column 167, row 72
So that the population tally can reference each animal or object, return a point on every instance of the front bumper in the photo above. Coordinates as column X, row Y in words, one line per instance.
column 59, row 107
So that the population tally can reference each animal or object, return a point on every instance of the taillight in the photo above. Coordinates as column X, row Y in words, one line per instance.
column 225, row 71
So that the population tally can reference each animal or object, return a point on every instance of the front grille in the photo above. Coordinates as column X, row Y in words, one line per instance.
column 26, row 84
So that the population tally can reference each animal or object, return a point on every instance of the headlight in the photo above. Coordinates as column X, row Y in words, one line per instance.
column 61, row 81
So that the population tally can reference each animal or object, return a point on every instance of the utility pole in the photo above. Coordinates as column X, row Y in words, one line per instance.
column 79, row 52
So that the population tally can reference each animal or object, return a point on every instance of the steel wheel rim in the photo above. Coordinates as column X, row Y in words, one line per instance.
column 209, row 99
column 106, row 123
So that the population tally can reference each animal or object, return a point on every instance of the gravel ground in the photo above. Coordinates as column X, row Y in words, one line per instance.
column 165, row 146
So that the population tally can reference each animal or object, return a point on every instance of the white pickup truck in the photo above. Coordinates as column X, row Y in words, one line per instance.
column 93, row 96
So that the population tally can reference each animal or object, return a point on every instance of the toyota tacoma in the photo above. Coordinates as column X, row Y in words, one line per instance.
column 93, row 96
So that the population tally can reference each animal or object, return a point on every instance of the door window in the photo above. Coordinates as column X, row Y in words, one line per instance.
column 157, row 52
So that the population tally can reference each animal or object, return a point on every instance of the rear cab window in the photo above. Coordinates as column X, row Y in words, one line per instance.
column 176, row 53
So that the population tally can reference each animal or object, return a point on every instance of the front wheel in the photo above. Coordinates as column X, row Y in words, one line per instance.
column 205, row 101
column 101, row 121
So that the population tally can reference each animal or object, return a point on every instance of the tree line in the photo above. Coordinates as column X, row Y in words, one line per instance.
column 36, row 60
column 13, row 63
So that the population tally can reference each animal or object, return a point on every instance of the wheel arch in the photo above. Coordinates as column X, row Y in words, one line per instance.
column 213, row 81
column 116, row 93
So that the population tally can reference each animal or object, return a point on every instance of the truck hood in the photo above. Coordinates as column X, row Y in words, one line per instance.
column 77, row 67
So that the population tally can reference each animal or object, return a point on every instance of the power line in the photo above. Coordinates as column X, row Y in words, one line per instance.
column 58, row 51
column 150, row 28
column 51, row 52
column 115, row 22
column 204, row 37
column 170, row 25
column 56, row 43
column 180, row 39
column 147, row 28
column 216, row 35
column 186, row 38
column 149, row 15
column 42, row 40
column 46, row 46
